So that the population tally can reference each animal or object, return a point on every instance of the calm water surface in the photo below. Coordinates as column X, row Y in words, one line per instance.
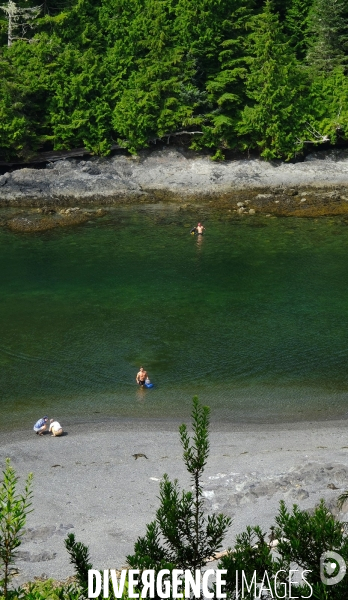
column 252, row 317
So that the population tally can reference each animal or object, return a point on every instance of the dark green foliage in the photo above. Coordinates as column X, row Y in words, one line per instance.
column 23, row 99
column 250, row 554
column 14, row 508
column 302, row 537
column 328, row 29
column 227, row 92
column 79, row 557
column 328, row 106
column 245, row 74
column 52, row 7
column 181, row 535
column 275, row 85
column 47, row 589
column 296, row 26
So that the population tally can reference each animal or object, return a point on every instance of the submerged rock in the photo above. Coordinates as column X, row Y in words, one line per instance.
column 50, row 219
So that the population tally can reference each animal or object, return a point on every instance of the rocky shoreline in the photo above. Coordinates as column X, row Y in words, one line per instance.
column 314, row 187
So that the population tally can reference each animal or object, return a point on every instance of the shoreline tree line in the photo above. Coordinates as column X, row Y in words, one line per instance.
column 239, row 75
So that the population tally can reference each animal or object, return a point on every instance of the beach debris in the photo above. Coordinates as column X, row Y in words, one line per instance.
column 217, row 556
column 139, row 456
column 271, row 536
column 218, row 476
column 52, row 467
column 332, row 486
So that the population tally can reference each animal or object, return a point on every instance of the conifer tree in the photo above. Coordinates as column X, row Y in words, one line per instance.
column 14, row 508
column 328, row 41
column 19, row 20
column 181, row 535
column 328, row 107
column 274, row 113
column 296, row 26
column 226, row 88
column 52, row 7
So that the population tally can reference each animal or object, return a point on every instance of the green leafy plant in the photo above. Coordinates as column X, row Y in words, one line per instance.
column 251, row 554
column 14, row 508
column 248, row 75
column 181, row 536
column 79, row 557
column 328, row 39
column 302, row 537
column 48, row 589
column 341, row 500
column 273, row 116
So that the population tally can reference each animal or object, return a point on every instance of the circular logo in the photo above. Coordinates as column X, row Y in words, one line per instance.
column 332, row 567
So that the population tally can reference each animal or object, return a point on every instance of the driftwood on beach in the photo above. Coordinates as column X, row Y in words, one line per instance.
column 53, row 155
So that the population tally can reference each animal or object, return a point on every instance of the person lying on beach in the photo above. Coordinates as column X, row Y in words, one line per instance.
column 141, row 376
column 55, row 428
column 40, row 426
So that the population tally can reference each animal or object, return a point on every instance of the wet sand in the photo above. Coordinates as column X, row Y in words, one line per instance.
column 89, row 483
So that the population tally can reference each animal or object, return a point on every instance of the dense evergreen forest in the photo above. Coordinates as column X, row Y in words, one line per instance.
column 242, row 74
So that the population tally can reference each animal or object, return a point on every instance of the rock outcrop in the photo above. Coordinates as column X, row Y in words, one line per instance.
column 318, row 185
column 228, row 492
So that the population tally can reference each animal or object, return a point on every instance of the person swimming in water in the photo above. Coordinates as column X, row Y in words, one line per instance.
column 198, row 229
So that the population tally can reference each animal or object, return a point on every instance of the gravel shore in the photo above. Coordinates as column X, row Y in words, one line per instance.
column 88, row 482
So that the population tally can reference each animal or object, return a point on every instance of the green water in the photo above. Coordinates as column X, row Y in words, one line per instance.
column 252, row 317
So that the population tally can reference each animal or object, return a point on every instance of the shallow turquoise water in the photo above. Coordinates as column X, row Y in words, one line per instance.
column 252, row 317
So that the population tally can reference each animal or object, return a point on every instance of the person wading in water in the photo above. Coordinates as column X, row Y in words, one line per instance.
column 141, row 376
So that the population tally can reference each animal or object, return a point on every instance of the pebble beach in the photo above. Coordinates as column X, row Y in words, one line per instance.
column 88, row 482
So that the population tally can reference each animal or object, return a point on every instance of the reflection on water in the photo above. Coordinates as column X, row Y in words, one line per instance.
column 199, row 241
column 140, row 393
column 251, row 316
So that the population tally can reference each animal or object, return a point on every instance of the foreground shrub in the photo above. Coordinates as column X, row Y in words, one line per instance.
column 181, row 536
column 302, row 538
column 14, row 508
